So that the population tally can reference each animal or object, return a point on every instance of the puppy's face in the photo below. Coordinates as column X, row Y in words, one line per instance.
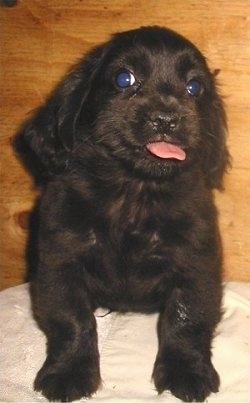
column 147, row 99
column 154, row 97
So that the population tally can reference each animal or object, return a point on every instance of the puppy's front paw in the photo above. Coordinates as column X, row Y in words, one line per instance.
column 68, row 384
column 189, row 381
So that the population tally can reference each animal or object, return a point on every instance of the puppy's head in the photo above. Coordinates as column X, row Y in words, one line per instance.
column 146, row 98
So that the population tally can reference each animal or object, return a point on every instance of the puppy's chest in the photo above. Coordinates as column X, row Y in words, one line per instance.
column 135, row 249
column 143, row 226
column 138, row 248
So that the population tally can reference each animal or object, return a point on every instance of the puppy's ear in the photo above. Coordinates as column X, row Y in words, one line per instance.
column 45, row 141
column 217, row 159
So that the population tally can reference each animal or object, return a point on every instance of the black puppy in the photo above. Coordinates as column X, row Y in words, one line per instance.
column 128, row 149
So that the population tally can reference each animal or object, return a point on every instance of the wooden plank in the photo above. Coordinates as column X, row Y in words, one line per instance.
column 41, row 39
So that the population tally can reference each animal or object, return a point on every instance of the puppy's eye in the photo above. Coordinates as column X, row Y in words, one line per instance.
column 125, row 79
column 194, row 88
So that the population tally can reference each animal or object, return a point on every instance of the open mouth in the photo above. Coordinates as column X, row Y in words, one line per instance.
column 166, row 150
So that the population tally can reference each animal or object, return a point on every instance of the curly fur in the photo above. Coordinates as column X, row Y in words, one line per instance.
column 119, row 227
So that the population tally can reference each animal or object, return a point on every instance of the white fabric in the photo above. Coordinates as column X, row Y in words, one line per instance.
column 128, row 346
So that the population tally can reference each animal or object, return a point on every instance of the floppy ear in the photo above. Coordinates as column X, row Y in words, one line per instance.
column 217, row 159
column 45, row 141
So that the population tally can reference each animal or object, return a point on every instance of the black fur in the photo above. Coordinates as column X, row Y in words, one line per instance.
column 122, row 228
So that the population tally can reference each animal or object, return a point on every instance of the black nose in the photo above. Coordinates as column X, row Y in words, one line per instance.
column 164, row 121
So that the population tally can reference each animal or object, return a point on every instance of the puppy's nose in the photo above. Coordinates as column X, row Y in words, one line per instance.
column 164, row 121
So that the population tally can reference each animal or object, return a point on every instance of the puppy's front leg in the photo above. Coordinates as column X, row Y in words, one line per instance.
column 71, row 369
column 183, row 364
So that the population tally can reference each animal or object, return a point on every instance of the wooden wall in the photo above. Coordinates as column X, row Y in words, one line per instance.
column 40, row 39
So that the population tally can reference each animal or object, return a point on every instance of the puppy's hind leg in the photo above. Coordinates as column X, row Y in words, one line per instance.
column 71, row 369
column 183, row 363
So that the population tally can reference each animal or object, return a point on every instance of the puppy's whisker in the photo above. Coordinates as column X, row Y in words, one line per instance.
column 210, row 134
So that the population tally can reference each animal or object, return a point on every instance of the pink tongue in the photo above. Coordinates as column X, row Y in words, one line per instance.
column 166, row 150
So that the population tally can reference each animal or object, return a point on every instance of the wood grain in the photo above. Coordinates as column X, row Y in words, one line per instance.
column 39, row 40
